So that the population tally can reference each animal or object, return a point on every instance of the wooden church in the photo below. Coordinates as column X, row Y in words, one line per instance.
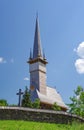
column 37, row 68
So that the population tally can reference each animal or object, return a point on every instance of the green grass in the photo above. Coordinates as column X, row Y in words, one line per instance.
column 27, row 125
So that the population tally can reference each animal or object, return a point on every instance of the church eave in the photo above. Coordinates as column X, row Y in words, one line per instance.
column 50, row 104
column 31, row 61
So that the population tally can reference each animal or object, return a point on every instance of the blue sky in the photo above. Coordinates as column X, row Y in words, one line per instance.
column 62, row 37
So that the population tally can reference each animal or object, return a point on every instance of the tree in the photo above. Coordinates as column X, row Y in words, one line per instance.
column 56, row 107
column 77, row 105
column 26, row 102
column 36, row 103
column 3, row 102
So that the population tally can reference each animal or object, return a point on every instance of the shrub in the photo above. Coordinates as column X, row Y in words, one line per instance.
column 36, row 104
column 56, row 107
column 3, row 102
column 26, row 102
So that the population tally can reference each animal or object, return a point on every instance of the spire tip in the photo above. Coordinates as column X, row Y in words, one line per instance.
column 37, row 15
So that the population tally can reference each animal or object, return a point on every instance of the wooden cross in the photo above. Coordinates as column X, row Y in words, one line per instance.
column 19, row 94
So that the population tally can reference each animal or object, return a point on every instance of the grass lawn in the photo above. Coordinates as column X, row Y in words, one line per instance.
column 27, row 125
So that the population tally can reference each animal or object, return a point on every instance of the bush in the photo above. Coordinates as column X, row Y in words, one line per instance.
column 36, row 104
column 56, row 107
column 26, row 102
column 77, row 102
column 3, row 102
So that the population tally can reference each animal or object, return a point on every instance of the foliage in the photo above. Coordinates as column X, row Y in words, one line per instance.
column 26, row 102
column 77, row 105
column 29, row 125
column 36, row 104
column 56, row 107
column 3, row 102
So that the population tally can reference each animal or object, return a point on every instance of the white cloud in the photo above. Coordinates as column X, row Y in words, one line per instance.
column 26, row 78
column 79, row 64
column 2, row 60
column 80, row 50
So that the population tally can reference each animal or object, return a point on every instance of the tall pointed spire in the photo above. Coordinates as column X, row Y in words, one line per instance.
column 37, row 50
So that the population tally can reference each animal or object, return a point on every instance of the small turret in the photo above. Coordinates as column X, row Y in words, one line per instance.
column 30, row 58
column 44, row 55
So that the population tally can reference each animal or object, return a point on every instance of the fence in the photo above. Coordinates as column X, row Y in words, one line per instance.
column 20, row 113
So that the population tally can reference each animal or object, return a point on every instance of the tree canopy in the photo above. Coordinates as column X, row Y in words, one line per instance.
column 3, row 102
column 77, row 102
column 26, row 102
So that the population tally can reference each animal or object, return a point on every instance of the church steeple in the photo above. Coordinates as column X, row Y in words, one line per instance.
column 37, row 49
column 37, row 68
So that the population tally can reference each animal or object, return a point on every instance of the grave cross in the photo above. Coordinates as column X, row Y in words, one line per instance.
column 19, row 94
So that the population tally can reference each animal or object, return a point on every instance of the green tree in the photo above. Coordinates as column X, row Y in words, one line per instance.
column 26, row 102
column 3, row 102
column 77, row 102
column 56, row 107
column 36, row 103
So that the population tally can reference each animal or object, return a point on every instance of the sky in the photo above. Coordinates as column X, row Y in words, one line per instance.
column 62, row 37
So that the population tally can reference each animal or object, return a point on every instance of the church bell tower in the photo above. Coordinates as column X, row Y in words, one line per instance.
column 37, row 66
